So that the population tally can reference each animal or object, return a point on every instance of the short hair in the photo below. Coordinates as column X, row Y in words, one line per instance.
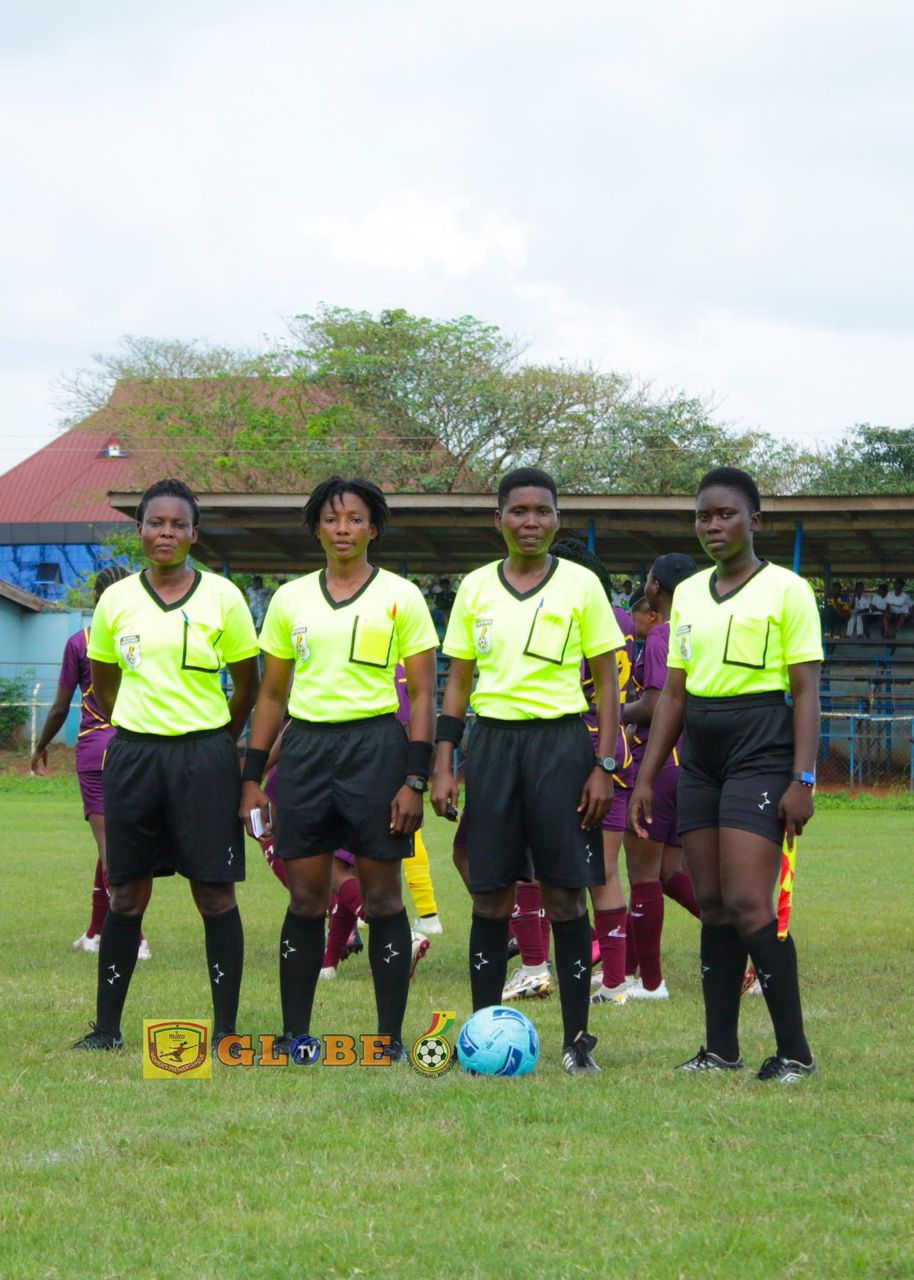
column 671, row 569
column 105, row 577
column 335, row 487
column 575, row 550
column 733, row 478
column 526, row 477
column 170, row 488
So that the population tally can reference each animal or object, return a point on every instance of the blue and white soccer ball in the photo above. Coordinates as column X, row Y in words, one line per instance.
column 498, row 1041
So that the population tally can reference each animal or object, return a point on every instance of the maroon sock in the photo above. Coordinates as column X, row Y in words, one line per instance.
column 631, row 951
column 679, row 888
column 99, row 901
column 526, row 921
column 611, row 939
column 344, row 909
column 276, row 865
column 646, row 922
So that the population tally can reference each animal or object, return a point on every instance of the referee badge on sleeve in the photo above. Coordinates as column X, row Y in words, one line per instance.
column 130, row 651
column 684, row 640
column 300, row 644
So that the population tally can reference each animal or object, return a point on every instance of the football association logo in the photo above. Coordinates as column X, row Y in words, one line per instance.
column 483, row 627
column 130, row 651
column 684, row 640
column 300, row 643
column 432, row 1054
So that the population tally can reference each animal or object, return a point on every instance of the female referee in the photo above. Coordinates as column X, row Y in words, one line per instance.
column 171, row 780
column 743, row 635
column 531, row 779
column 348, row 776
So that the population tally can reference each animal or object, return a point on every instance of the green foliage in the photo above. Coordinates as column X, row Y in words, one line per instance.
column 844, row 800
column 868, row 460
column 11, row 718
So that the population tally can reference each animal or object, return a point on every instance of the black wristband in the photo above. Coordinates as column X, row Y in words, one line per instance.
column 418, row 758
column 255, row 763
column 450, row 729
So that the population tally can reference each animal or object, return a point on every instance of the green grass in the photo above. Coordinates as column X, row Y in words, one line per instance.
column 354, row 1172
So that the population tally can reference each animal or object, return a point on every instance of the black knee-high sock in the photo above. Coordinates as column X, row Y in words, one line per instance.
column 390, row 953
column 117, row 950
column 723, row 964
column 488, row 960
column 301, row 950
column 776, row 965
column 573, row 962
column 225, row 959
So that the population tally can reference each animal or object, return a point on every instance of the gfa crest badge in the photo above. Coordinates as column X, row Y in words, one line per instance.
column 684, row 640
column 483, row 635
column 130, row 651
column 300, row 643
column 177, row 1049
column 432, row 1054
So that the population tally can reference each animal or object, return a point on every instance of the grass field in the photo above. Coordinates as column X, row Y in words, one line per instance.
column 641, row 1173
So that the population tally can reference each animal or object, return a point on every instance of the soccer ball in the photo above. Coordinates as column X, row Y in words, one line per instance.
column 498, row 1042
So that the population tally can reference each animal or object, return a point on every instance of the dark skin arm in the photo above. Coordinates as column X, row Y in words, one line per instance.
column 666, row 726
column 269, row 713
column 444, row 791
column 406, row 809
column 106, row 680
column 598, row 789
column 641, row 711
column 797, row 805
column 245, row 679
column 56, row 717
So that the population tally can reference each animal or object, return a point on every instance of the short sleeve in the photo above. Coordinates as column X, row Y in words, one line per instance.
column 69, row 667
column 275, row 636
column 674, row 656
column 415, row 629
column 239, row 639
column 600, row 631
column 101, row 635
column 801, row 630
column 458, row 639
column 655, row 661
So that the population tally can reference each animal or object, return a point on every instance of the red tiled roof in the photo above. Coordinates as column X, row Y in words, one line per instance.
column 66, row 482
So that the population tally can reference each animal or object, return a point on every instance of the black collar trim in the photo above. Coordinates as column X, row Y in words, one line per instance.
column 525, row 595
column 341, row 604
column 178, row 604
column 712, row 584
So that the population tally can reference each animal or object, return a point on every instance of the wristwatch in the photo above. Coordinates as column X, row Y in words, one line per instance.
column 416, row 783
column 606, row 763
column 805, row 779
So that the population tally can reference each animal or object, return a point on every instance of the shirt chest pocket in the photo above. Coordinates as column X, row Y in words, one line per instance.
column 746, row 644
column 548, row 636
column 371, row 641
column 200, row 650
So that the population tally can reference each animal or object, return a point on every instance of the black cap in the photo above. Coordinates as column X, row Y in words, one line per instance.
column 671, row 569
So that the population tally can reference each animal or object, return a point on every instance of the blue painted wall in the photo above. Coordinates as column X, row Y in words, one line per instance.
column 31, row 647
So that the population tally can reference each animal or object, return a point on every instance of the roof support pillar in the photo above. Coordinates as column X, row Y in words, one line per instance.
column 798, row 546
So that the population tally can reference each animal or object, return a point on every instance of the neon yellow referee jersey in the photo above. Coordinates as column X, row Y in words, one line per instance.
column 745, row 641
column 171, row 654
column 528, row 648
column 346, row 653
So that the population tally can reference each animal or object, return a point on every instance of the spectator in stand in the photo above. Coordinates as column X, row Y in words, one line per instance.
column 899, row 606
column 445, row 597
column 878, row 607
column 258, row 599
column 623, row 599
column 859, row 609
column 836, row 610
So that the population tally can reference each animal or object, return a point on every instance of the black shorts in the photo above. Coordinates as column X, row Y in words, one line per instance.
column 523, row 786
column 171, row 805
column 737, row 761
column 336, row 784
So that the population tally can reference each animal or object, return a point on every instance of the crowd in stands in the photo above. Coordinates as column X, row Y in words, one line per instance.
column 868, row 613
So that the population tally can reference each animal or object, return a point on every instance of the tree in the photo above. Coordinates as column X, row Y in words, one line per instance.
column 868, row 460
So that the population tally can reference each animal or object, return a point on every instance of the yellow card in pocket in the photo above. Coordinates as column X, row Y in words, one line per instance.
column 371, row 641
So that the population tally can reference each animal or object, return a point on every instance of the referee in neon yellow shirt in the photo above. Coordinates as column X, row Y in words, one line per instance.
column 533, row 789
column 743, row 636
column 171, row 781
column 349, row 775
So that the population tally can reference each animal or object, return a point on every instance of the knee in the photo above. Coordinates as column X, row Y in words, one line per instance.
column 381, row 902
column 748, row 914
column 494, row 906
column 214, row 899
column 564, row 904
column 712, row 908
column 308, row 902
column 126, row 900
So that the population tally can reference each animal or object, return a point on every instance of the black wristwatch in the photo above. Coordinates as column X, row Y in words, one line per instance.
column 606, row 763
column 416, row 783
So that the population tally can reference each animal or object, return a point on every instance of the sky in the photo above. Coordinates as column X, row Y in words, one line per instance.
column 713, row 197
